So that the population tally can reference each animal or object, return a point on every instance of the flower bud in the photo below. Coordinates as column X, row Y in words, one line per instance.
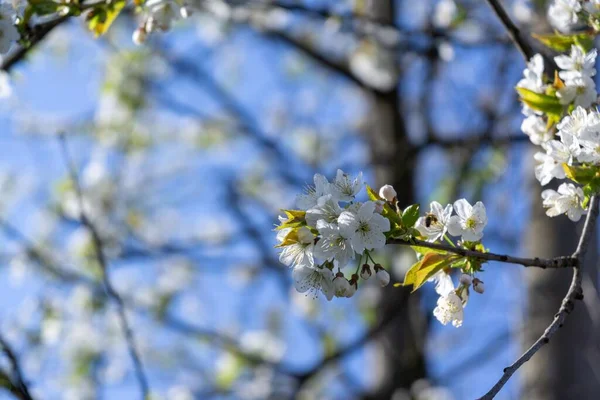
column 379, row 206
column 139, row 36
column 387, row 192
column 382, row 275
column 466, row 279
column 365, row 272
column 341, row 286
column 478, row 286
column 353, row 285
column 305, row 235
column 185, row 12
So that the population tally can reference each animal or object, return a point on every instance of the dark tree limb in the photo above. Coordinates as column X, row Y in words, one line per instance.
column 17, row 384
column 108, row 286
column 574, row 293
column 557, row 262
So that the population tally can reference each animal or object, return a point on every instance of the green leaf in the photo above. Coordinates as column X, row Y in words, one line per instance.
column 428, row 266
column 581, row 174
column 373, row 196
column 563, row 43
column 410, row 215
column 102, row 17
column 541, row 102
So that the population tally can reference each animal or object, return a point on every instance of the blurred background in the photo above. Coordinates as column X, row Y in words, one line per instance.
column 186, row 149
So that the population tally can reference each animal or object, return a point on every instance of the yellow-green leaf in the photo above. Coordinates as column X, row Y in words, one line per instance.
column 562, row 43
column 541, row 102
column 289, row 239
column 581, row 174
column 102, row 17
column 427, row 266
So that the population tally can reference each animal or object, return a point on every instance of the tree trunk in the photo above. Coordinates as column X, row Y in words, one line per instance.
column 565, row 368
column 399, row 359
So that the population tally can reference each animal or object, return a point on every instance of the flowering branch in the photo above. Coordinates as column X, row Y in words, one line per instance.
column 109, row 288
column 556, row 262
column 17, row 383
column 575, row 292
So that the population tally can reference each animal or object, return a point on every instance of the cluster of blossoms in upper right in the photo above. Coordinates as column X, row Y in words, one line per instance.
column 560, row 104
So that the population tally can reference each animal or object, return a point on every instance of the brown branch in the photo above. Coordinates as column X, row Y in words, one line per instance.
column 568, row 304
column 513, row 31
column 18, row 386
column 109, row 288
column 557, row 262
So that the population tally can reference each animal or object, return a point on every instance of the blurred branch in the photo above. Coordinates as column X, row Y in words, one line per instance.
column 513, row 31
column 39, row 32
column 557, row 262
column 17, row 385
column 574, row 293
column 101, row 258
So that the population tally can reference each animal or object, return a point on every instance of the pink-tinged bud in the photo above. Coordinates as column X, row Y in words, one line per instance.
column 478, row 286
column 387, row 192
column 139, row 36
column 466, row 279
column 383, row 277
column 365, row 272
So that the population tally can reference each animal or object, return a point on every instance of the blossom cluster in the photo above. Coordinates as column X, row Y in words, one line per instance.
column 159, row 15
column 331, row 229
column 335, row 229
column 567, row 15
column 469, row 223
column 562, row 118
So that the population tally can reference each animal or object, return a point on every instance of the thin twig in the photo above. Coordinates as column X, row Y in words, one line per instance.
column 111, row 292
column 557, row 262
column 513, row 31
column 18, row 385
column 574, row 293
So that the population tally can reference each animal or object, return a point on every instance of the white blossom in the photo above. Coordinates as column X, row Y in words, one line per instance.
column 449, row 309
column 469, row 221
column 580, row 90
column 435, row 224
column 575, row 123
column 333, row 244
column 563, row 13
column 547, row 168
column 443, row 283
column 365, row 227
column 387, row 192
column 532, row 75
column 300, row 252
column 534, row 126
column 567, row 200
column 161, row 14
column 327, row 210
column 577, row 64
column 313, row 281
column 310, row 199
column 344, row 188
